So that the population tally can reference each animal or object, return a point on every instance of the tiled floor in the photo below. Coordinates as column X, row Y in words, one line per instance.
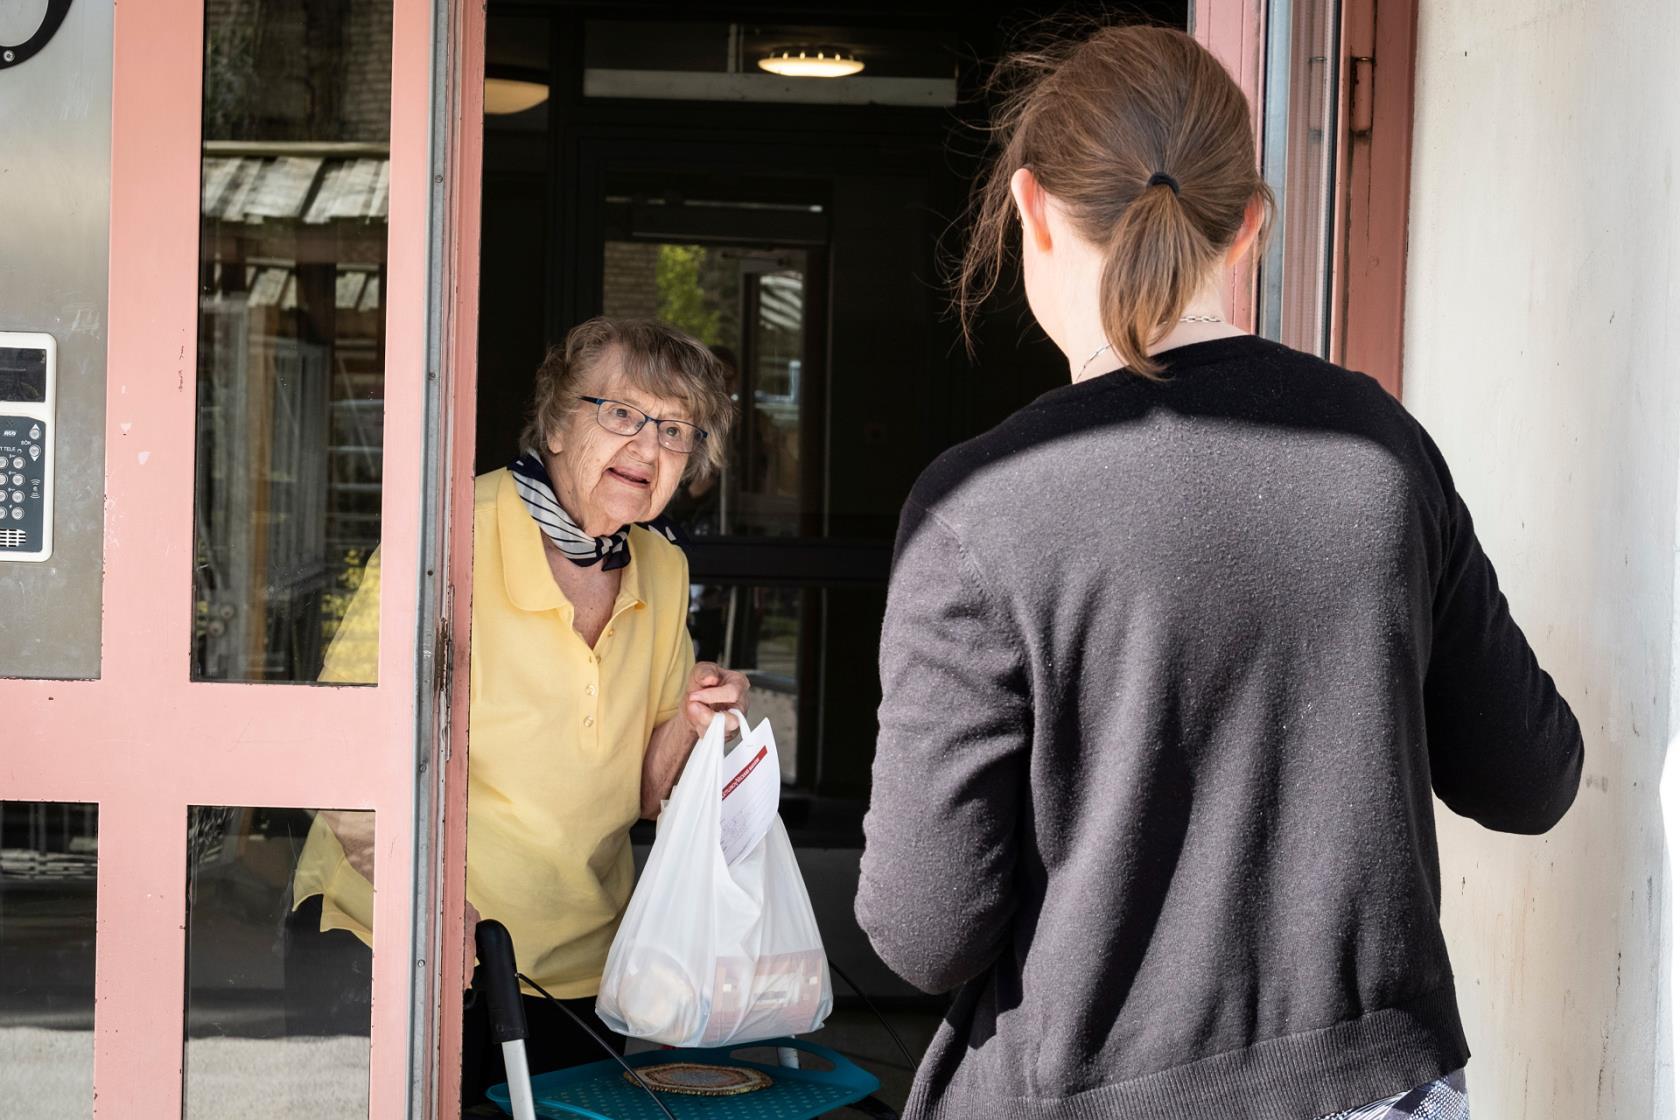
column 49, row 1073
column 271, row 1079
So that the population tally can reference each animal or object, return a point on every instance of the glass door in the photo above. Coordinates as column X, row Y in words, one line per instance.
column 741, row 263
column 244, row 825
column 749, row 304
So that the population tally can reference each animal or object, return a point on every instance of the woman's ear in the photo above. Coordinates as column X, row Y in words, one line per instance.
column 1254, row 216
column 1030, row 208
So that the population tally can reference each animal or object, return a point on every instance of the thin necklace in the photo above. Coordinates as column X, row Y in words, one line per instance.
column 1091, row 359
column 1181, row 318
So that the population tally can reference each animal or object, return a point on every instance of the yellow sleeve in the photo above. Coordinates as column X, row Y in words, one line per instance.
column 681, row 664
column 346, row 896
column 353, row 656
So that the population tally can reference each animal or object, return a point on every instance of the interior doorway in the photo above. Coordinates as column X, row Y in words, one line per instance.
column 641, row 163
column 637, row 161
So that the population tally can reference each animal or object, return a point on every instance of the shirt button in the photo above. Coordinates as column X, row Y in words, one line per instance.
column 589, row 690
column 589, row 721
column 610, row 633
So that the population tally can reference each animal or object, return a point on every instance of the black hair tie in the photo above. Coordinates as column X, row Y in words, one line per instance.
column 1160, row 177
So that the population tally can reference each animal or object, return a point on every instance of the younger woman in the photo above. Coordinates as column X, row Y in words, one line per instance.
column 1174, row 660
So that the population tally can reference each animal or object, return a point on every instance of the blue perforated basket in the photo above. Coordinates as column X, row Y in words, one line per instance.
column 600, row 1091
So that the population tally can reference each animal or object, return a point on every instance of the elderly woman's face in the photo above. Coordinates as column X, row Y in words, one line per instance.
column 605, row 480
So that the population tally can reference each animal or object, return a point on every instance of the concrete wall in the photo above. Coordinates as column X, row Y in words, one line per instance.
column 1543, row 351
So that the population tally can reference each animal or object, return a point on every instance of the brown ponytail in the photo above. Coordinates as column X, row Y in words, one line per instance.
column 1147, row 142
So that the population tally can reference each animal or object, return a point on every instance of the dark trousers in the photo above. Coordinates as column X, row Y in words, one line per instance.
column 327, row 989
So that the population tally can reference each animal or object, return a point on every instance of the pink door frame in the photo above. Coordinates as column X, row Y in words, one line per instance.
column 1374, row 179
column 462, row 218
column 1375, row 90
column 145, row 742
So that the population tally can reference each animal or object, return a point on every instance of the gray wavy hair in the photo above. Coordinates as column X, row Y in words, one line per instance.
column 657, row 359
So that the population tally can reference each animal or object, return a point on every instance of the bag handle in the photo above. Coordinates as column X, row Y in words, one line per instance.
column 747, row 732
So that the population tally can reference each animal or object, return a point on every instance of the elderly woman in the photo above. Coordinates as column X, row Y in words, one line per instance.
column 585, row 697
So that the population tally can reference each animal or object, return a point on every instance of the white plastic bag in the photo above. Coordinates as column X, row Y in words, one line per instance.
column 711, row 954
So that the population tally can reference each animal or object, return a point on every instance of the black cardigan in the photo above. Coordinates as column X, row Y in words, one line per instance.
column 1170, row 671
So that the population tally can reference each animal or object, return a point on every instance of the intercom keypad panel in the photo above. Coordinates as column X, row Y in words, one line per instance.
column 23, row 497
column 28, row 397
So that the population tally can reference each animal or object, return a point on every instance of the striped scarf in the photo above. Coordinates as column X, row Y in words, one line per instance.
column 612, row 551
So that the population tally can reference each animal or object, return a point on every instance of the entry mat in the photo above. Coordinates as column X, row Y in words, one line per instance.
column 600, row 1090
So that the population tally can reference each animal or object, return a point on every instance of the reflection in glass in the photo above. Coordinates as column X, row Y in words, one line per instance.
column 1299, row 163
column 277, row 1010
column 759, row 631
column 749, row 306
column 516, row 77
column 291, row 339
column 49, row 862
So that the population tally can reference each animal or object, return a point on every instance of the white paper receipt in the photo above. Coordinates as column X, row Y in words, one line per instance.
column 752, row 792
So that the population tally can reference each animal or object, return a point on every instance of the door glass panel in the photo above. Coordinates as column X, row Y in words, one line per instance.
column 1299, row 155
column 279, row 971
column 762, row 632
column 749, row 306
column 291, row 328
column 49, row 863
column 770, row 476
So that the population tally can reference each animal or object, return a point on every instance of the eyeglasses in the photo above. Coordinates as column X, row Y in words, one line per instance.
column 626, row 420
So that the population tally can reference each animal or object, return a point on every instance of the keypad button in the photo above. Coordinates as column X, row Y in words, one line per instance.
column 17, row 513
column 17, row 480
column 17, row 461
column 17, row 495
column 35, row 432
column 34, row 453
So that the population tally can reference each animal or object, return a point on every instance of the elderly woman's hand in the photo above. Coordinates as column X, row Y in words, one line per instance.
column 711, row 689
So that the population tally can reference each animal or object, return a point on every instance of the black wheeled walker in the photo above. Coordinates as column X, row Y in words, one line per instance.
column 681, row 1084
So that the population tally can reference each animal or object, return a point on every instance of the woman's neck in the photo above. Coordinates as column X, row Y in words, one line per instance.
column 1088, row 351
column 591, row 590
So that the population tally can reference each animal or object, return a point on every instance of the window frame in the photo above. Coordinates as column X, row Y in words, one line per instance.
column 1375, row 88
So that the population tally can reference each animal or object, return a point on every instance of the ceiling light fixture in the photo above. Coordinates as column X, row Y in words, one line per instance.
column 810, row 62
column 503, row 96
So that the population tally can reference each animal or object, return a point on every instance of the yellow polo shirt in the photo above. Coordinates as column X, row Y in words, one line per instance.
column 557, row 732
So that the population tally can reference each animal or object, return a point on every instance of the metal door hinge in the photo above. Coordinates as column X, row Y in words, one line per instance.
column 443, row 681
column 1361, row 113
column 443, row 659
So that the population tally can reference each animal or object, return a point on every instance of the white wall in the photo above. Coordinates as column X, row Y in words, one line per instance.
column 1543, row 352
